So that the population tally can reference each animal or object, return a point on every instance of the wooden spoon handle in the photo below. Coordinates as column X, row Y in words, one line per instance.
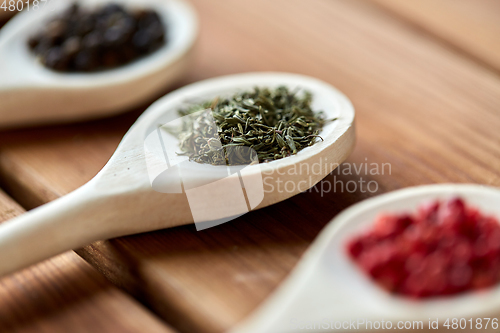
column 66, row 223
column 98, row 210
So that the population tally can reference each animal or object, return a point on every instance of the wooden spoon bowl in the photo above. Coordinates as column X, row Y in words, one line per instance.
column 326, row 287
column 33, row 94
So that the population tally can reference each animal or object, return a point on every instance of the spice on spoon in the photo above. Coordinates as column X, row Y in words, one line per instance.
column 275, row 123
column 443, row 249
column 86, row 40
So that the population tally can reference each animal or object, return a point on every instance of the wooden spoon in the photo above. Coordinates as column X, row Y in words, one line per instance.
column 328, row 290
column 121, row 199
column 32, row 94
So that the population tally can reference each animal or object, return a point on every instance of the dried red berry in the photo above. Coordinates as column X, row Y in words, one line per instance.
column 445, row 248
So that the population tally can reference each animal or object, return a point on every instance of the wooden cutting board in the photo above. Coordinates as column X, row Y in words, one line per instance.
column 470, row 27
column 428, row 110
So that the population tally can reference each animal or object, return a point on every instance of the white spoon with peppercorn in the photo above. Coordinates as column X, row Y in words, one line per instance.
column 429, row 258
column 146, row 186
column 62, row 62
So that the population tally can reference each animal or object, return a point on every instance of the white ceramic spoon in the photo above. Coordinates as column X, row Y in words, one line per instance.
column 31, row 93
column 121, row 200
column 327, row 289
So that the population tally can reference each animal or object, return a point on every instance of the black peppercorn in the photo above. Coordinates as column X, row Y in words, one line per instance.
column 89, row 40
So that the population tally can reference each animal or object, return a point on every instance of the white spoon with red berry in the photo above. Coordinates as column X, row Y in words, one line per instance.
column 60, row 62
column 421, row 266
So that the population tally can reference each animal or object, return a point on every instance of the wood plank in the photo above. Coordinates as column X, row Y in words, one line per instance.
column 472, row 26
column 429, row 112
column 65, row 294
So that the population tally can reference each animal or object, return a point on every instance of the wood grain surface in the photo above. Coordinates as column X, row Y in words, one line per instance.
column 429, row 111
column 471, row 26
column 65, row 294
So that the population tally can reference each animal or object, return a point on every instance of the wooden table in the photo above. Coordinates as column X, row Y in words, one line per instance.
column 424, row 77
